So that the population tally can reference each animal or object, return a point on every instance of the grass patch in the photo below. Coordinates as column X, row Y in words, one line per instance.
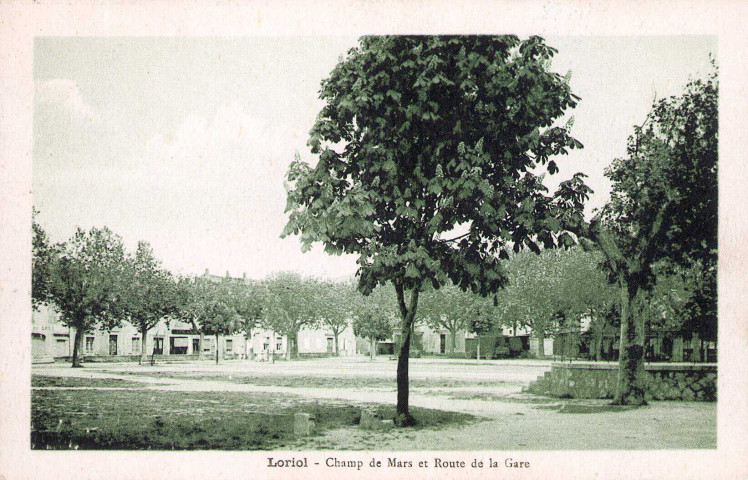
column 165, row 420
column 41, row 381
column 318, row 381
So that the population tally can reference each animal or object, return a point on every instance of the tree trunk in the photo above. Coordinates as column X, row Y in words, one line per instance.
column 598, row 343
column 201, row 342
column 540, row 335
column 402, row 416
column 337, row 346
column 217, row 349
column 143, row 353
column 403, row 384
column 293, row 352
column 77, row 348
column 453, row 343
column 372, row 353
column 631, row 374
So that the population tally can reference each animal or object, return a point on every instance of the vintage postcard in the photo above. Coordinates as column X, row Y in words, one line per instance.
column 372, row 239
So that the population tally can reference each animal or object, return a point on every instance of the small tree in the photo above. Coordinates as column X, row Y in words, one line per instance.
column 422, row 135
column 148, row 293
column 85, row 283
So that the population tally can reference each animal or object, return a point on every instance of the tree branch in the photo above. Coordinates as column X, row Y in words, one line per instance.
column 457, row 238
column 647, row 243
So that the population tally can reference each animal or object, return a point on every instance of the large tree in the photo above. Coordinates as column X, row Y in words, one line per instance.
column 662, row 212
column 85, row 283
column 291, row 304
column 423, row 135
column 149, row 293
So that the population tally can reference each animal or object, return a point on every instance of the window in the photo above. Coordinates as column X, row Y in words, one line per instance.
column 135, row 345
column 266, row 345
column 279, row 345
column 229, row 345
column 89, row 344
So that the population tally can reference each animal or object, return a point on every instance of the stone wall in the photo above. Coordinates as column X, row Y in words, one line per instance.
column 599, row 380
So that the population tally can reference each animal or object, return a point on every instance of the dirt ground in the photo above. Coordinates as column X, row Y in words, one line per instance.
column 492, row 390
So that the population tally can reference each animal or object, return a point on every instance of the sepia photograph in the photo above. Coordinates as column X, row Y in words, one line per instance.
column 374, row 243
column 376, row 240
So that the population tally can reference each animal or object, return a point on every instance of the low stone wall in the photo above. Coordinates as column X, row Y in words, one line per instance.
column 665, row 381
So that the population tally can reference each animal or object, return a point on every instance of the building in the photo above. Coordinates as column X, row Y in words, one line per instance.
column 439, row 341
column 51, row 340
column 320, row 342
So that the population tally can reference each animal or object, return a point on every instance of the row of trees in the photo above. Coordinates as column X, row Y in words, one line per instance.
column 94, row 283
column 423, row 136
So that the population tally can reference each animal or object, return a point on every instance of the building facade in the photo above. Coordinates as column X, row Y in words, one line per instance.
column 51, row 340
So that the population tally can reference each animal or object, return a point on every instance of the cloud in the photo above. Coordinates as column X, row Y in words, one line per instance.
column 207, row 193
column 65, row 93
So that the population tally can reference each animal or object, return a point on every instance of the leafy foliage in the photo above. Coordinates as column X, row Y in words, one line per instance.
column 422, row 134
column 42, row 256
column 209, row 307
column 375, row 316
column 337, row 303
column 662, row 214
column 452, row 309
column 663, row 204
column 248, row 299
column 292, row 302
column 570, row 283
column 148, row 291
column 85, row 282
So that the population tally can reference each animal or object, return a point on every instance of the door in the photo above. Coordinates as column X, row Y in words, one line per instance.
column 443, row 343
column 158, row 346
column 329, row 346
column 112, row 344
column 195, row 345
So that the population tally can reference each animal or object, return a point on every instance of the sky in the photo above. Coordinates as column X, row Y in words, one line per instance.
column 185, row 142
